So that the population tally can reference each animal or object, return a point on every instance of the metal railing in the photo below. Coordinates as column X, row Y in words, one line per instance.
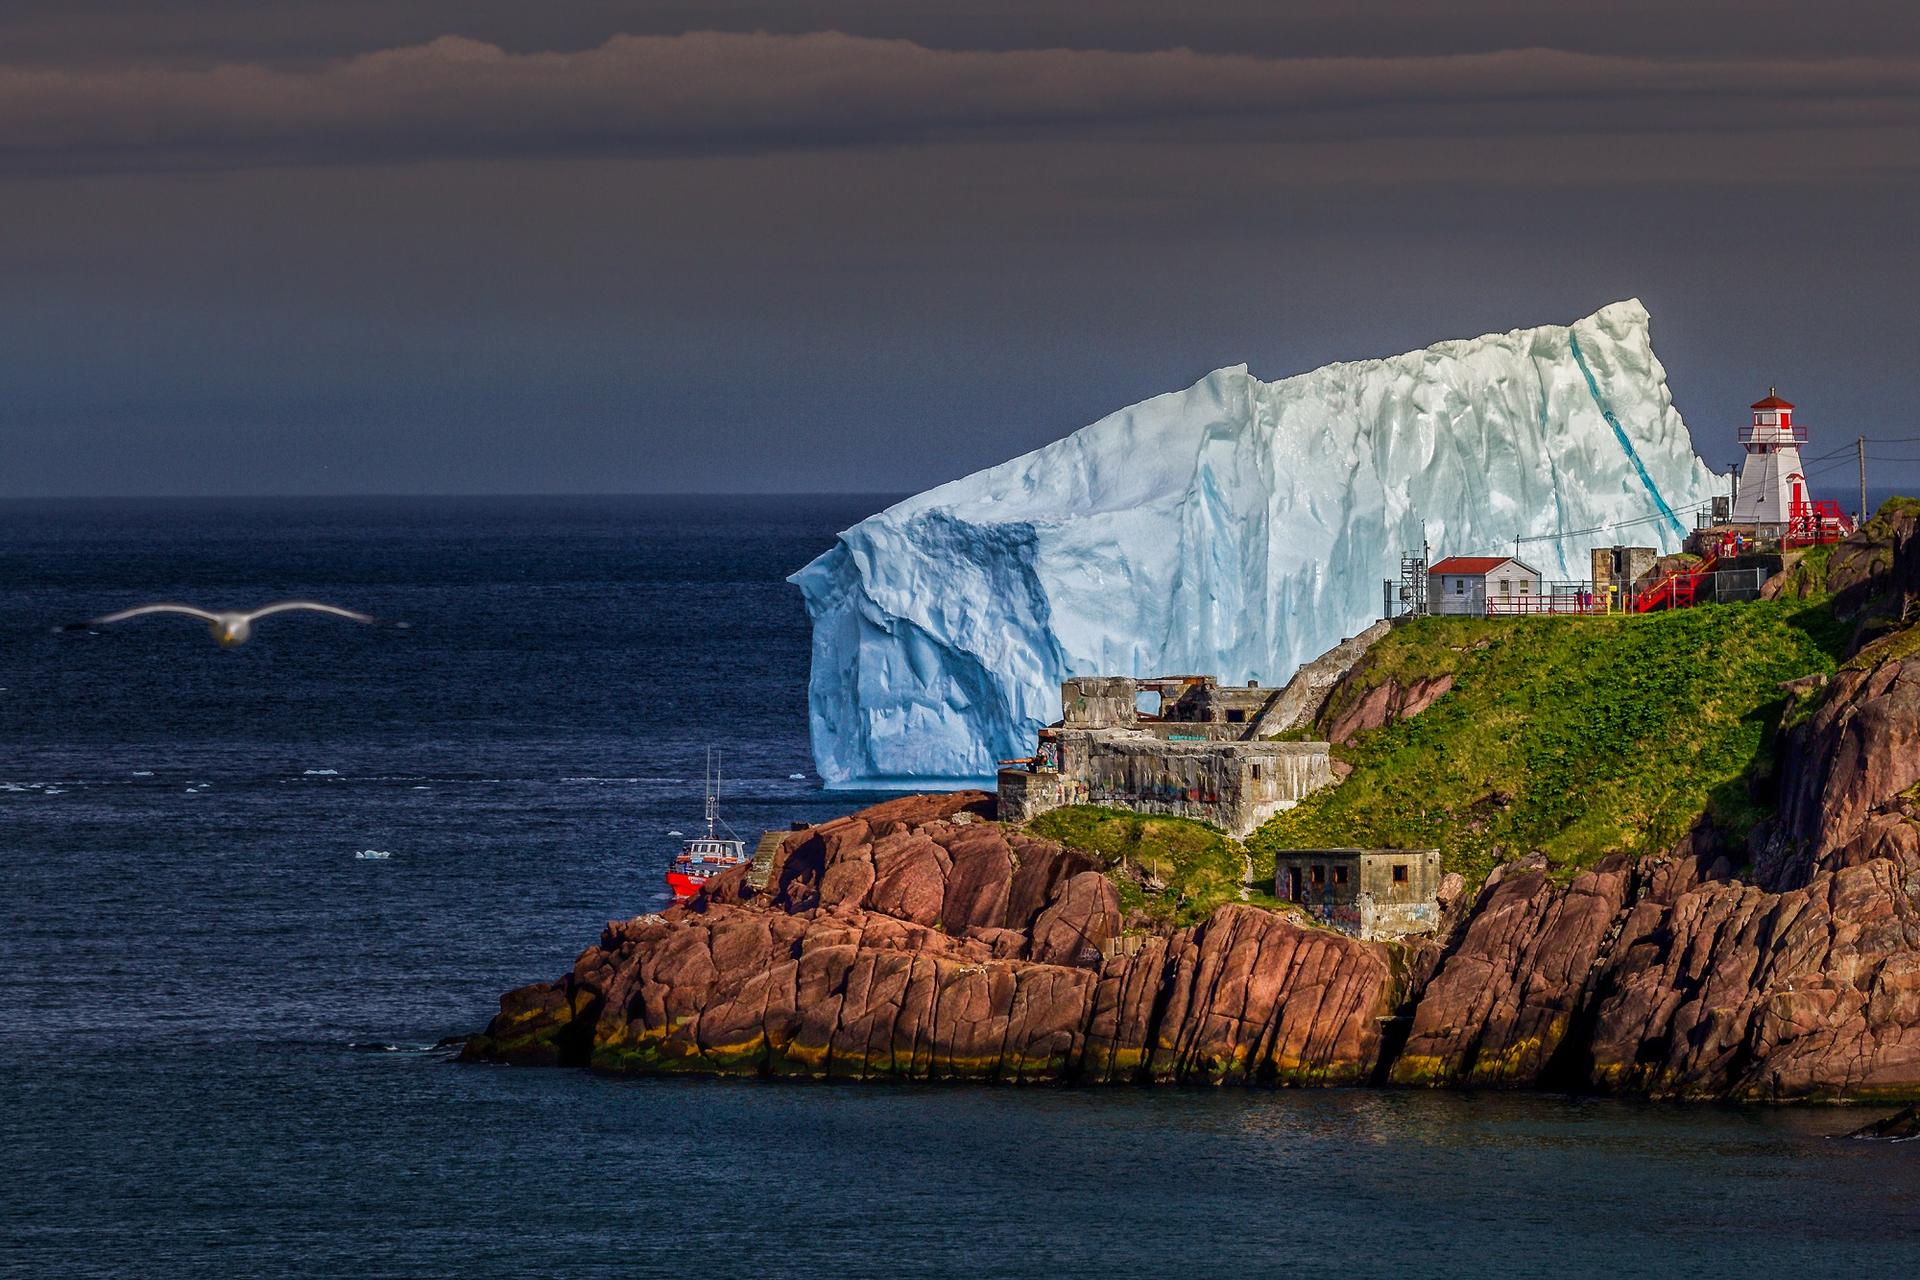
column 1679, row 590
column 1570, row 602
column 1751, row 434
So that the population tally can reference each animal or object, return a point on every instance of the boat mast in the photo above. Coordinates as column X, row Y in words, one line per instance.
column 713, row 791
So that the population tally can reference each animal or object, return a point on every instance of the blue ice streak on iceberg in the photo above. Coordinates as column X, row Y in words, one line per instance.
column 1599, row 401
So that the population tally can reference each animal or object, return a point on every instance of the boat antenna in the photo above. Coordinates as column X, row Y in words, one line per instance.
column 713, row 797
column 713, row 791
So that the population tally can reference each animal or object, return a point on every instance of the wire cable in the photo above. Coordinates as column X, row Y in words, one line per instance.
column 1606, row 528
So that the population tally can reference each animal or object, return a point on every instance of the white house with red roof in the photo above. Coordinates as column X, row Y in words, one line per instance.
column 1480, row 585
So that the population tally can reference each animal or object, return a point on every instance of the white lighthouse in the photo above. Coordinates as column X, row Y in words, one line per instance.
column 1773, row 483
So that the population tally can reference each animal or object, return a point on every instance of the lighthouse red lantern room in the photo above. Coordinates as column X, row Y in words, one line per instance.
column 1772, row 493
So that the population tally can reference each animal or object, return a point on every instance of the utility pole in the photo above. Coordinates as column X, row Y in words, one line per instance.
column 1860, row 448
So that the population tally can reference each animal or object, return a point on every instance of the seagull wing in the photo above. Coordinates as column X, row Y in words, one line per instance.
column 311, row 606
column 142, row 610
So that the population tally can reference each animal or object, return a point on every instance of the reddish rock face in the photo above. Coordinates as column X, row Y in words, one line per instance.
column 1383, row 705
column 1503, row 1003
column 900, row 943
column 1845, row 770
column 1674, row 979
column 1878, row 561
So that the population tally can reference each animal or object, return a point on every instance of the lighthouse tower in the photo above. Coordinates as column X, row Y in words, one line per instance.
column 1773, row 483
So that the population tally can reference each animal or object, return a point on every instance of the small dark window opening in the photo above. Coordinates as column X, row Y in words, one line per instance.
column 1236, row 715
column 1319, row 875
column 1339, row 875
column 1256, row 772
column 1399, row 873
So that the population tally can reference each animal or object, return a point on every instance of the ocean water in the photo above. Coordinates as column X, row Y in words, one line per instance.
column 216, row 1023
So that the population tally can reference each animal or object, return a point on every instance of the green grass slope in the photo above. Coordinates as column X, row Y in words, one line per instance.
column 1575, row 737
column 1173, row 870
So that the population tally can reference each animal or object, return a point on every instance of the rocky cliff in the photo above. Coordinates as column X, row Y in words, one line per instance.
column 1784, row 967
column 918, row 939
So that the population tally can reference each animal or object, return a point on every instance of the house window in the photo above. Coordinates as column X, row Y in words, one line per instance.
column 1236, row 716
column 1256, row 773
column 1506, row 586
column 1399, row 873
column 1339, row 875
column 1524, row 587
column 1319, row 876
column 1459, row 586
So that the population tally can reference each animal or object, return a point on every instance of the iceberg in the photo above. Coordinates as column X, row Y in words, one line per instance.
column 1237, row 528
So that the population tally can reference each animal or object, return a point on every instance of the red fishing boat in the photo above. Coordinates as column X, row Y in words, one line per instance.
column 704, row 857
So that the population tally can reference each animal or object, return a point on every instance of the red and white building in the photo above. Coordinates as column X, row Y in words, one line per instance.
column 1477, row 586
column 1772, row 494
column 1773, row 480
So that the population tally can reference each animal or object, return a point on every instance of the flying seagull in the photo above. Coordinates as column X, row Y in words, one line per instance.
column 230, row 628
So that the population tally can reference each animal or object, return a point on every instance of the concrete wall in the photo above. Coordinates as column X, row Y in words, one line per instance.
column 1306, row 693
column 1368, row 902
column 1621, row 566
column 1192, row 700
column 1092, row 702
column 1024, row 794
column 1233, row 785
column 1236, row 786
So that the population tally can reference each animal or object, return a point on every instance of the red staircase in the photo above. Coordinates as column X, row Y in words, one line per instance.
column 1678, row 590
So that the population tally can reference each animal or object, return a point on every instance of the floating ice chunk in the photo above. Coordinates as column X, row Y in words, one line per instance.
column 1237, row 528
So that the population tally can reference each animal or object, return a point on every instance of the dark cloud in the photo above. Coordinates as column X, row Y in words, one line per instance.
column 595, row 251
column 197, row 32
column 718, row 91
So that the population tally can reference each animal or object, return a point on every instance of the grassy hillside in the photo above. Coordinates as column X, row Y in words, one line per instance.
column 1577, row 737
column 1172, row 869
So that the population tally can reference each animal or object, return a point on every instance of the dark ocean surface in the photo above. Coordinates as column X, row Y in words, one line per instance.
column 216, row 1023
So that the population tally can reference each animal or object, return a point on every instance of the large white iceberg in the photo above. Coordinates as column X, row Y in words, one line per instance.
column 1237, row 528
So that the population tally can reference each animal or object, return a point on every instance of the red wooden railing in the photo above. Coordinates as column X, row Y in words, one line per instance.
column 1816, row 524
column 1678, row 590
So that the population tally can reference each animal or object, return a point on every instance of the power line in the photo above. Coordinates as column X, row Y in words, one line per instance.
column 1605, row 528
column 1853, row 446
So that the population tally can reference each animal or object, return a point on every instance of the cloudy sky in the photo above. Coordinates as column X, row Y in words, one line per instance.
column 478, row 245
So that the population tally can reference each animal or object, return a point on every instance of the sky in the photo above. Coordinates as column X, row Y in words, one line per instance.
column 445, row 246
